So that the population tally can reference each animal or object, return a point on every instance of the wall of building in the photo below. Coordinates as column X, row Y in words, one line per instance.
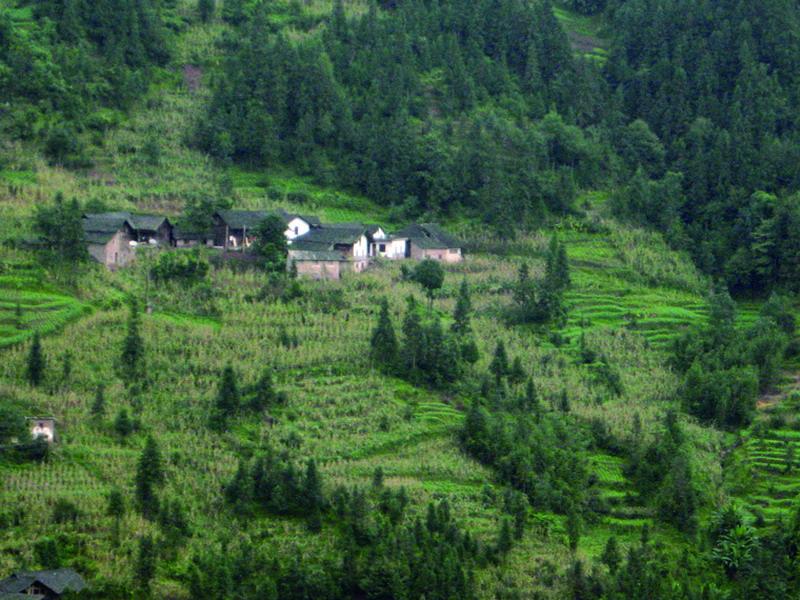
column 117, row 252
column 319, row 269
column 449, row 255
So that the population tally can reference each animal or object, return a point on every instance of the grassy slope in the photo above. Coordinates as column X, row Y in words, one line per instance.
column 630, row 297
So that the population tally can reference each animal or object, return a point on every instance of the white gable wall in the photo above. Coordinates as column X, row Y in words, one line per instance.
column 296, row 227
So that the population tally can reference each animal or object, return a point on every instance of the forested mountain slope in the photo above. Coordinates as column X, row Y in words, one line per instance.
column 580, row 411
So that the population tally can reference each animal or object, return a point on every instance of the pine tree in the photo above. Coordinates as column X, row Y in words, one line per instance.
column 132, row 362
column 505, row 539
column 499, row 365
column 122, row 423
column 611, row 555
column 516, row 374
column 384, row 342
column 66, row 368
column 313, row 498
column 573, row 529
column 205, row 8
column 145, row 568
column 264, row 392
column 99, row 404
column 532, row 399
column 149, row 475
column 36, row 362
column 227, row 402
column 413, row 339
column 461, row 314
column 116, row 510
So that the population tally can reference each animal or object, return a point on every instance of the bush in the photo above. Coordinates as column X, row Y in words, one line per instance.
column 184, row 267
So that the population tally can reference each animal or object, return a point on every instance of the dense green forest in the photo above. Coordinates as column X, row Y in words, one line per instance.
column 600, row 402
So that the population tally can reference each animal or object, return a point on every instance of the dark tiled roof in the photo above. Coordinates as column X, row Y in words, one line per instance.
column 326, row 237
column 111, row 222
column 239, row 219
column 99, row 228
column 427, row 236
column 57, row 580
column 148, row 222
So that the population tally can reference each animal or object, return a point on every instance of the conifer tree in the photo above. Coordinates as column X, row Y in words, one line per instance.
column 205, row 9
column 122, row 423
column 116, row 510
column 573, row 529
column 145, row 568
column 149, row 475
column 264, row 392
column 313, row 498
column 227, row 402
column 611, row 555
column 461, row 314
column 505, row 539
column 132, row 360
column 36, row 362
column 516, row 373
column 99, row 404
column 499, row 365
column 413, row 339
column 384, row 342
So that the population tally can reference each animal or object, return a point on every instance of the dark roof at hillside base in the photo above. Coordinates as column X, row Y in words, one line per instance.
column 57, row 580
column 428, row 236
column 325, row 238
column 101, row 227
column 249, row 219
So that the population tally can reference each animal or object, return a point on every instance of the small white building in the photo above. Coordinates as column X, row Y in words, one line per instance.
column 43, row 427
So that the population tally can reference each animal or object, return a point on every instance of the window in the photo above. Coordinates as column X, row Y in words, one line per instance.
column 382, row 247
column 296, row 230
column 453, row 250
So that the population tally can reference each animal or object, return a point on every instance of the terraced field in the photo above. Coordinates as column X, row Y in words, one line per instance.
column 26, row 306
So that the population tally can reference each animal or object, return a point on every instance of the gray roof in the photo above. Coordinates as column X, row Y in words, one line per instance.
column 99, row 228
column 326, row 237
column 240, row 219
column 428, row 236
column 57, row 580
column 110, row 222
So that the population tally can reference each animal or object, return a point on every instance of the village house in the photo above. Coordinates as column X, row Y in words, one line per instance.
column 328, row 252
column 43, row 427
column 112, row 237
column 234, row 229
column 191, row 238
column 429, row 240
column 109, row 239
column 41, row 585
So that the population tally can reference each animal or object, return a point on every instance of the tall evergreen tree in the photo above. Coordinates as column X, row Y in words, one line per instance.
column 499, row 365
column 384, row 349
column 462, row 313
column 145, row 568
column 226, row 404
column 36, row 362
column 149, row 476
column 132, row 358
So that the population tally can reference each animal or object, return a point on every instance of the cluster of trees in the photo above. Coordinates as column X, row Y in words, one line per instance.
column 725, row 368
column 61, row 68
column 426, row 353
column 231, row 401
column 382, row 553
column 717, row 104
column 543, row 301
column 425, row 106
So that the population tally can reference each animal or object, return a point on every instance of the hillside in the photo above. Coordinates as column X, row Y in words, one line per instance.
column 352, row 478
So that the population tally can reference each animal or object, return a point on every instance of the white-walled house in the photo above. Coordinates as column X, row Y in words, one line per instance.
column 329, row 251
column 43, row 427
